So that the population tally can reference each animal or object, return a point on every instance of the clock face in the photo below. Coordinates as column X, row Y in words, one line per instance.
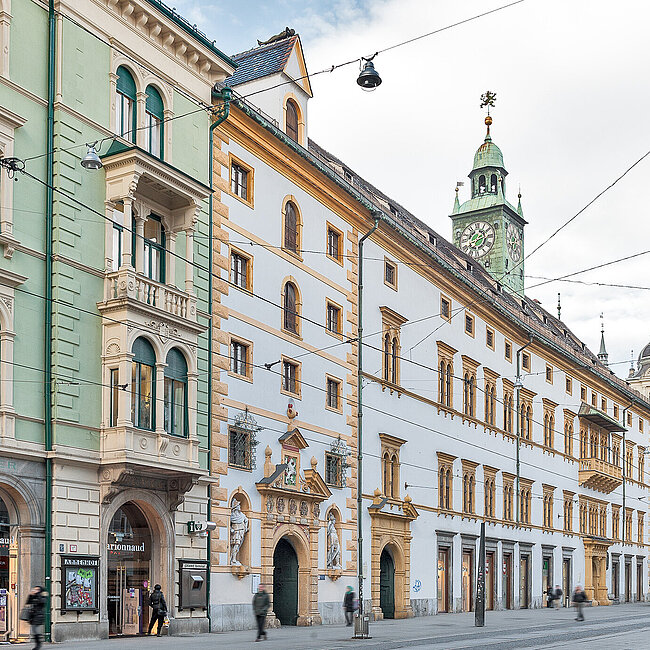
column 513, row 242
column 477, row 239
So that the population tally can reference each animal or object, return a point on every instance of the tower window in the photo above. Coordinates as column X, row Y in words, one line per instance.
column 292, row 120
column 481, row 184
column 493, row 183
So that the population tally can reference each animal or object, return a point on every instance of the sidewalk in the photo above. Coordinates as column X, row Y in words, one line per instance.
column 605, row 627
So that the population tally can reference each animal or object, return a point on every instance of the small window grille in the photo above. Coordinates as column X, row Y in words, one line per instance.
column 242, row 441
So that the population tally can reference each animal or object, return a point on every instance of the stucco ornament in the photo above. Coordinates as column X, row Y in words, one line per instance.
column 333, row 544
column 238, row 530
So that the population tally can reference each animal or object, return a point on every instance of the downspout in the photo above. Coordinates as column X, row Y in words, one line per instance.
column 360, row 415
column 623, row 457
column 221, row 115
column 47, row 357
column 518, row 386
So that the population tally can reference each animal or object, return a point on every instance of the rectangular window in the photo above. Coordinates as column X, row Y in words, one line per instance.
column 154, row 249
column 115, row 396
column 568, row 385
column 489, row 338
column 445, row 307
column 240, row 270
column 290, row 379
column 153, row 134
column 334, row 244
column 594, row 399
column 118, row 237
column 549, row 374
column 333, row 470
column 583, row 393
column 241, row 180
column 239, row 358
column 508, row 351
column 390, row 274
column 334, row 324
column 629, row 419
column 333, row 394
column 640, row 425
column 603, row 405
column 469, row 324
column 124, row 117
column 616, row 411
column 525, row 361
column 239, row 448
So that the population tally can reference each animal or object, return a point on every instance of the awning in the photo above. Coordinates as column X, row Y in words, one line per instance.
column 599, row 418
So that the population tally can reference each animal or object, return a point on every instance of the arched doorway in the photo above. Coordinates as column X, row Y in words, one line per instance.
column 129, row 571
column 387, row 584
column 285, row 583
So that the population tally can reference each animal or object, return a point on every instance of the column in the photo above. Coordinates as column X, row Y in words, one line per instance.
column 139, row 243
column 192, row 383
column 124, row 407
column 170, row 262
column 160, row 397
column 110, row 258
column 141, row 133
column 189, row 264
column 127, row 239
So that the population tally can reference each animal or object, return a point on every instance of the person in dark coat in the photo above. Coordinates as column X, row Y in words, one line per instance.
column 549, row 597
column 348, row 605
column 557, row 597
column 579, row 598
column 261, row 604
column 159, row 607
column 36, row 603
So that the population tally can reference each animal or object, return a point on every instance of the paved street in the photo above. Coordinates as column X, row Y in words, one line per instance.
column 624, row 627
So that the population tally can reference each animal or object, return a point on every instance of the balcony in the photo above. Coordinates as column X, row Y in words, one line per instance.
column 599, row 475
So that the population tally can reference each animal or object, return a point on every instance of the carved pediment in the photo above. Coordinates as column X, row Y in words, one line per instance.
column 293, row 439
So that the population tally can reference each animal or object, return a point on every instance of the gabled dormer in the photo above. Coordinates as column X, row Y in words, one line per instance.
column 273, row 77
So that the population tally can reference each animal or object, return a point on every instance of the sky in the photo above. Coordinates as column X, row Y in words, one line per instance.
column 571, row 116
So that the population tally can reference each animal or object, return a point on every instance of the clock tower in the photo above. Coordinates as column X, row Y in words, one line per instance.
column 487, row 227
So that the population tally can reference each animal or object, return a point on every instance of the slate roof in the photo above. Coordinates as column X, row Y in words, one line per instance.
column 261, row 61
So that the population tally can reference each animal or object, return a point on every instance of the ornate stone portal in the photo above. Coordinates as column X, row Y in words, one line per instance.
column 596, row 569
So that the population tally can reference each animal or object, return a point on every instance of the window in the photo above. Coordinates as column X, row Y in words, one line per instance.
column 154, row 249
column 240, row 448
column 390, row 449
column 391, row 324
column 445, row 373
column 143, row 385
column 469, row 324
column 525, row 361
column 490, row 400
column 176, row 394
column 641, row 425
column 445, row 308
column 333, row 470
column 333, row 394
column 594, row 399
column 390, row 274
column 489, row 489
column 290, row 377
column 125, row 105
column 507, row 409
column 240, row 359
column 489, row 338
column 639, row 538
column 568, row 432
column 118, row 236
column 469, row 394
column 641, row 457
column 568, row 385
column 481, row 184
column 292, row 120
column 616, row 411
column 629, row 419
column 508, row 351
column 334, row 320
column 241, row 270
column 548, row 507
column 616, row 517
column 493, row 183
column 291, row 227
column 549, row 423
column 568, row 511
column 115, row 397
column 508, row 491
column 290, row 308
column 583, row 393
column 334, row 244
column 469, row 487
column 154, row 123
column 525, row 495
column 445, row 486
column 549, row 374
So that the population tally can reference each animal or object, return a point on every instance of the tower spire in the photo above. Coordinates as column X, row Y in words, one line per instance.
column 632, row 370
column 487, row 99
column 559, row 307
column 603, row 357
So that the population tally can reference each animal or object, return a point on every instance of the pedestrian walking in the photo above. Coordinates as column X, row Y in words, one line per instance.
column 549, row 597
column 579, row 597
column 261, row 604
column 159, row 606
column 557, row 597
column 35, row 613
column 349, row 605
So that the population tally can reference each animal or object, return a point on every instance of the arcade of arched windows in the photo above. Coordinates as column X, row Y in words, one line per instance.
column 391, row 350
column 390, row 465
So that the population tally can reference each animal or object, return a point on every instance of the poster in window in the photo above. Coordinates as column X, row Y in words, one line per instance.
column 79, row 583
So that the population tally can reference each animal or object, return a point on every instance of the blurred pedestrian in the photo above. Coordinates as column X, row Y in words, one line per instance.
column 549, row 597
column 557, row 597
column 159, row 607
column 36, row 613
column 261, row 604
column 579, row 597
column 349, row 605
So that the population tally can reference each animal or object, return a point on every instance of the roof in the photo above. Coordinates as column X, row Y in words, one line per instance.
column 261, row 61
column 487, row 200
column 488, row 155
column 600, row 419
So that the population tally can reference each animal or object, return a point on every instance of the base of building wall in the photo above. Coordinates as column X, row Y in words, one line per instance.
column 189, row 626
column 423, row 606
column 79, row 631
column 225, row 618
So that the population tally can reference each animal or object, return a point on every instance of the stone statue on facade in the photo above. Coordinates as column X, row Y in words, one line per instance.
column 333, row 544
column 238, row 530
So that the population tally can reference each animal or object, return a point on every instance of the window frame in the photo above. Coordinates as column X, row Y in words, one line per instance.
column 469, row 318
column 445, row 299
column 338, row 461
column 297, row 253
column 297, row 311
column 339, row 393
column 507, row 344
column 549, row 374
column 490, row 331
column 525, row 361
column 249, row 171
column 234, row 251
column 390, row 263
column 130, row 135
column 296, row 111
column 153, row 112
column 568, row 385
column 338, row 333
column 248, row 449
column 135, row 383
column 296, row 380
column 248, row 362
column 333, row 229
column 174, row 380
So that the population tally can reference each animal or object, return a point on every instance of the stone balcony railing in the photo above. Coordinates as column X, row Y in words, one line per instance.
column 126, row 283
column 599, row 474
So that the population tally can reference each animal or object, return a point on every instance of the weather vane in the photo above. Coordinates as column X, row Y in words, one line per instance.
column 487, row 99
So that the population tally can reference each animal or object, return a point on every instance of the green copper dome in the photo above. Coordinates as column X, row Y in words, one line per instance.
column 488, row 155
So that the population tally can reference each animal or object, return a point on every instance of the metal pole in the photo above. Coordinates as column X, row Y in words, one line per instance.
column 518, row 385
column 479, row 610
column 360, row 416
column 623, row 459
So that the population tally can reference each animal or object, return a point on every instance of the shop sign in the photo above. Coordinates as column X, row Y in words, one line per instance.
column 80, row 583
column 125, row 548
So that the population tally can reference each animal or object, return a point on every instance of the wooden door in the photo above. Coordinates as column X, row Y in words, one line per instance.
column 616, row 578
column 131, row 611
column 628, row 582
column 467, row 581
column 489, row 580
column 523, row 582
column 566, row 580
column 507, row 580
column 443, row 580
column 387, row 584
column 285, row 583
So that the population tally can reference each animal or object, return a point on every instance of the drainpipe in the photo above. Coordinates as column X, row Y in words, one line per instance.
column 360, row 416
column 221, row 115
column 518, row 386
column 625, row 410
column 47, row 356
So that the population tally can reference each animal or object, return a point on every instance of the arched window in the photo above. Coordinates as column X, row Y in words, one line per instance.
column 292, row 120
column 394, row 476
column 448, row 403
column 448, row 488
column 481, row 184
column 291, row 237
column 125, row 105
column 154, row 116
column 528, row 422
column 386, row 357
column 441, row 383
column 471, row 397
column 290, row 308
column 493, row 183
column 143, row 385
column 386, row 475
column 394, row 358
column 176, row 394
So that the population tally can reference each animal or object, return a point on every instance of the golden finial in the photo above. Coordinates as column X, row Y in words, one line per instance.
column 487, row 99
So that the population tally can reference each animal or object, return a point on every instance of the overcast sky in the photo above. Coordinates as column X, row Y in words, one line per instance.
column 571, row 78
